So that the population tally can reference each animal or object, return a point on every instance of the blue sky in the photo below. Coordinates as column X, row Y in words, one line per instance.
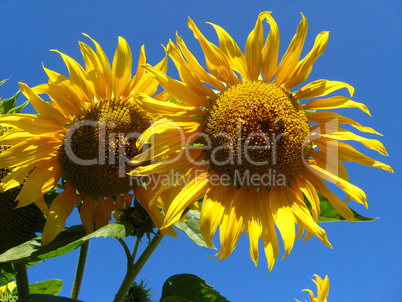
column 364, row 50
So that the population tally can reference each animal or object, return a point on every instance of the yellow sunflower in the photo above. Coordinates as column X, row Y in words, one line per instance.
column 322, row 289
column 242, row 143
column 85, row 135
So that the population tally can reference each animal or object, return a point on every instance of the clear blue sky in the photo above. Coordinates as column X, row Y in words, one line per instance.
column 364, row 50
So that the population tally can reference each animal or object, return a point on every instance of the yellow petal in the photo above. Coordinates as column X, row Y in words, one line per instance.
column 121, row 68
column 63, row 96
column 145, row 82
column 302, row 213
column 305, row 66
column 322, row 287
column 253, row 221
column 41, row 204
column 104, row 69
column 320, row 88
column 54, row 77
column 289, row 60
column 194, row 189
column 284, row 219
column 159, row 107
column 354, row 192
column 333, row 131
column 40, row 180
column 269, row 236
column 61, row 208
column 142, row 59
column 237, row 60
column 270, row 51
column 186, row 73
column 232, row 224
column 36, row 124
column 103, row 212
column 87, row 214
column 178, row 162
column 145, row 196
column 168, row 135
column 71, row 90
column 334, row 103
column 13, row 136
column 346, row 152
column 322, row 117
column 198, row 70
column 42, row 107
column 96, row 83
column 178, row 89
column 321, row 187
column 212, row 212
column 332, row 164
column 26, row 152
column 215, row 59
column 15, row 177
column 77, row 73
column 311, row 194
column 253, row 49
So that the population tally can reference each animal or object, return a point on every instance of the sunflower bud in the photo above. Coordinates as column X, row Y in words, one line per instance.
column 138, row 218
column 138, row 293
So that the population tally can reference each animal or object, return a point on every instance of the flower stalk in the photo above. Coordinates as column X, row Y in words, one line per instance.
column 21, row 277
column 136, row 268
column 79, row 273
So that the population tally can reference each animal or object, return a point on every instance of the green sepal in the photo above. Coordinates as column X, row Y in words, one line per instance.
column 50, row 196
column 191, row 227
column 329, row 213
column 189, row 288
column 65, row 242
column 47, row 287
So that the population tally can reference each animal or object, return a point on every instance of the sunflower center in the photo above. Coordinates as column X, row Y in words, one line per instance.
column 98, row 146
column 258, row 134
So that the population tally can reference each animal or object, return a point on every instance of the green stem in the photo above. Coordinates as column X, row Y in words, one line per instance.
column 21, row 277
column 79, row 273
column 127, row 251
column 137, row 244
column 136, row 268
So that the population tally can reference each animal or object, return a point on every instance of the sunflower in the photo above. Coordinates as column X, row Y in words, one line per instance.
column 81, row 139
column 244, row 143
column 322, row 289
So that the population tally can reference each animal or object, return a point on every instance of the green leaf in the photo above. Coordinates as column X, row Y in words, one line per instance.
column 3, row 81
column 8, row 104
column 329, row 214
column 49, row 287
column 64, row 243
column 47, row 298
column 192, row 227
column 6, row 273
column 189, row 288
